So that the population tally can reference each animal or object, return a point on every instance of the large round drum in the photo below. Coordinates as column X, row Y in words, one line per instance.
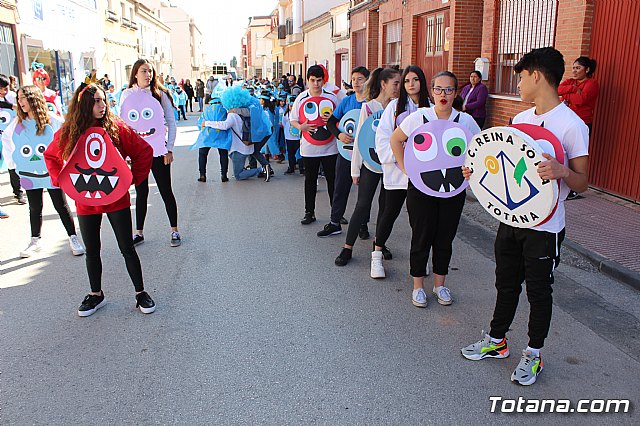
column 504, row 161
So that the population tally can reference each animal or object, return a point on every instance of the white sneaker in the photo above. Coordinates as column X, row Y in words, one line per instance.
column 377, row 269
column 32, row 248
column 419, row 298
column 443, row 294
column 76, row 247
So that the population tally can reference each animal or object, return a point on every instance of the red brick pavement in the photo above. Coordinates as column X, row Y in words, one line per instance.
column 607, row 226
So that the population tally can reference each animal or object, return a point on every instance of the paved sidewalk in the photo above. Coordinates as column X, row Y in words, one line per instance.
column 605, row 229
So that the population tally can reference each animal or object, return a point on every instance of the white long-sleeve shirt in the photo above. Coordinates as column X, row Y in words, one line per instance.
column 392, row 176
column 167, row 107
column 233, row 122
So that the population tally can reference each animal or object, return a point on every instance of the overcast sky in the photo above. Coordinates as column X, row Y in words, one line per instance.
column 223, row 22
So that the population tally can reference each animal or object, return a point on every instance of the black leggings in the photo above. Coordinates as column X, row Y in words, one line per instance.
column 59, row 202
column 121, row 224
column 311, row 168
column 366, row 191
column 434, row 223
column 162, row 175
column 292, row 147
column 203, row 153
column 393, row 202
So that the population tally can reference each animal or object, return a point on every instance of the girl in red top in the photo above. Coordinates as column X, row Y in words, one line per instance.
column 580, row 93
column 89, row 109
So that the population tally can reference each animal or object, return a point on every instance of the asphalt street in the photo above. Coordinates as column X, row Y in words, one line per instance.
column 256, row 325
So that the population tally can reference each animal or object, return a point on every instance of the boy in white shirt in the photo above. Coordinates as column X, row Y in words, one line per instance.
column 533, row 254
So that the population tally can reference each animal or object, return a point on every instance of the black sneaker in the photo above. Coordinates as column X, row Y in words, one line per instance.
column 268, row 172
column 138, row 239
column 20, row 199
column 145, row 303
column 363, row 233
column 225, row 178
column 91, row 304
column 308, row 218
column 344, row 257
column 343, row 221
column 289, row 172
column 175, row 239
column 386, row 253
column 329, row 230
column 202, row 179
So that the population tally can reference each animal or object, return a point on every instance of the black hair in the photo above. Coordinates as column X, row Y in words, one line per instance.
column 374, row 84
column 588, row 63
column 547, row 60
column 4, row 81
column 476, row 72
column 361, row 70
column 269, row 104
column 445, row 74
column 423, row 101
column 315, row 71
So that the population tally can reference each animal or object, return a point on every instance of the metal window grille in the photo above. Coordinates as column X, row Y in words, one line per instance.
column 429, row 41
column 439, row 33
column 523, row 25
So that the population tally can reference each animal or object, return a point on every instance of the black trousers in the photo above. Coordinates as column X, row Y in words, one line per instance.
column 162, row 175
column 181, row 111
column 311, row 168
column 292, row 147
column 14, row 179
column 189, row 106
column 257, row 156
column 203, row 153
column 121, row 224
column 531, row 256
column 342, row 187
column 434, row 223
column 366, row 191
column 393, row 202
column 59, row 201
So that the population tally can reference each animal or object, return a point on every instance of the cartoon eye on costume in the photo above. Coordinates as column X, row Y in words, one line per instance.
column 425, row 147
column 311, row 111
column 147, row 113
column 374, row 124
column 133, row 115
column 326, row 106
column 26, row 151
column 51, row 107
column 95, row 150
column 5, row 116
column 350, row 126
column 40, row 149
column 454, row 142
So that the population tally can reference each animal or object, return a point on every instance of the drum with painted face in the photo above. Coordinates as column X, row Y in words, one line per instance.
column 145, row 115
column 348, row 125
column 367, row 142
column 434, row 155
column 29, row 154
column 505, row 180
column 95, row 174
column 6, row 117
column 311, row 111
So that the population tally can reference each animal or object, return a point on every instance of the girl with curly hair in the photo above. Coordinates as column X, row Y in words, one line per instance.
column 143, row 77
column 32, row 111
column 89, row 109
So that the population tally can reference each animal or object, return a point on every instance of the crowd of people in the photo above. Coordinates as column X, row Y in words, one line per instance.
column 307, row 124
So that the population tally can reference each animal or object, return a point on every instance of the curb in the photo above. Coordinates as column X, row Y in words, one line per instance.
column 606, row 266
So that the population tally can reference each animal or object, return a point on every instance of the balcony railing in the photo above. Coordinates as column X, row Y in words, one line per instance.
column 111, row 16
column 125, row 22
column 133, row 25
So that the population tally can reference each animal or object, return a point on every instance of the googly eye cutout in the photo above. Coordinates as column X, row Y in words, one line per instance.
column 147, row 113
column 133, row 115
column 374, row 124
column 4, row 117
column 40, row 149
column 95, row 150
column 51, row 107
column 350, row 127
column 26, row 151
column 311, row 110
column 326, row 106
column 454, row 142
column 425, row 147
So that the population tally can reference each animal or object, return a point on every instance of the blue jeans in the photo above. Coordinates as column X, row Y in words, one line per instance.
column 200, row 102
column 238, row 160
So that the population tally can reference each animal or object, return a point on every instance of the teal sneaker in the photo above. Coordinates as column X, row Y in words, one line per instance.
column 528, row 370
column 485, row 348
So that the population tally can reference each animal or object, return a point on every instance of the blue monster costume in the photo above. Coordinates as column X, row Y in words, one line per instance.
column 213, row 138
column 6, row 117
column 367, row 142
column 29, row 155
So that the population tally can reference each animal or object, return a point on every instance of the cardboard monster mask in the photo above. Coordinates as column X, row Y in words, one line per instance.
column 145, row 115
column 433, row 157
column 348, row 125
column 311, row 111
column 95, row 174
column 29, row 154
column 367, row 142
